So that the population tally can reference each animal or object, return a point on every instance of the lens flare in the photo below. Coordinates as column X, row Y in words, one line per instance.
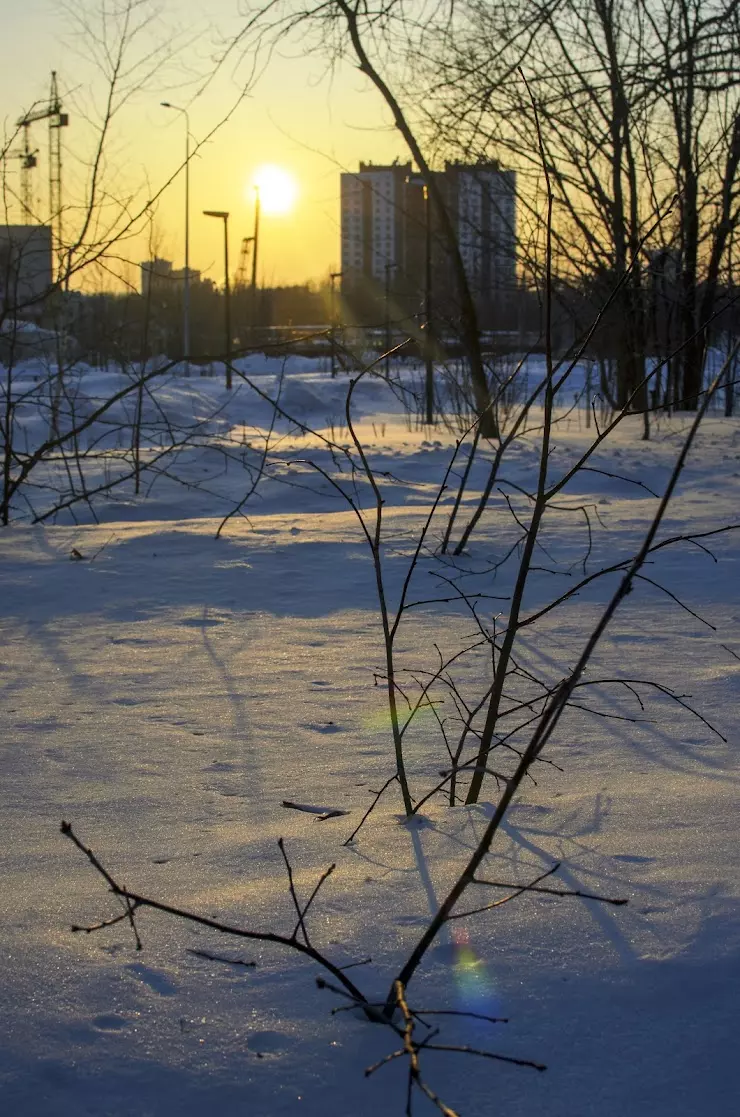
column 475, row 991
column 381, row 719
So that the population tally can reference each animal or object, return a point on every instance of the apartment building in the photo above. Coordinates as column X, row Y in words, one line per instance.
column 482, row 200
column 386, row 239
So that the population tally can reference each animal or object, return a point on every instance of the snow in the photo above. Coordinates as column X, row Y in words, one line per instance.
column 168, row 691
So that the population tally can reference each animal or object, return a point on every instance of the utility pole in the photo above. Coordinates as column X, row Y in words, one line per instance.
column 417, row 180
column 388, row 341
column 429, row 377
column 186, row 288
column 227, row 302
column 255, row 248
column 256, row 237
column 333, row 311
column 224, row 215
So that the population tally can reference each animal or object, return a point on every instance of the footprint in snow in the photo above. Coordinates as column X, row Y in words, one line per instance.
column 156, row 981
column 269, row 1044
column 56, row 754
column 110, row 1022
column 42, row 726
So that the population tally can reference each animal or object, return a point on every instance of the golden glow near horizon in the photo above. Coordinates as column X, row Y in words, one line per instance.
column 302, row 125
column 278, row 189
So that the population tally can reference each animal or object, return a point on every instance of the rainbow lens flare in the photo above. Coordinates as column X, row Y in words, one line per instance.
column 475, row 990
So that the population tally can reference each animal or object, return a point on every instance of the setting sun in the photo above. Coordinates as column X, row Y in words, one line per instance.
column 277, row 188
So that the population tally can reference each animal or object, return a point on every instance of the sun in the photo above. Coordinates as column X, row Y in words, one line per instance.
column 277, row 188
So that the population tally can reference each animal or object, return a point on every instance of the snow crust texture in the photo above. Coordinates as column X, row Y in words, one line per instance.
column 166, row 691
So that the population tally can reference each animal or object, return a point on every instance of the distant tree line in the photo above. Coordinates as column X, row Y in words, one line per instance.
column 112, row 326
column 109, row 326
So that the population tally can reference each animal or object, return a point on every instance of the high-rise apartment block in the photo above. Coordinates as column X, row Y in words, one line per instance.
column 389, row 227
column 482, row 201
column 374, row 222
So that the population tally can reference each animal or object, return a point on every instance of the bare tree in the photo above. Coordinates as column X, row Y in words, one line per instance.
column 398, row 1011
column 638, row 106
column 500, row 731
column 128, row 54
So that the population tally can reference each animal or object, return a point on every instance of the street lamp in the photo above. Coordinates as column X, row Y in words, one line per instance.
column 388, row 269
column 186, row 291
column 256, row 237
column 223, row 214
column 255, row 247
column 332, row 276
column 429, row 378
column 417, row 180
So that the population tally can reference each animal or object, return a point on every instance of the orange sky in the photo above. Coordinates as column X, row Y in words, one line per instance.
column 296, row 116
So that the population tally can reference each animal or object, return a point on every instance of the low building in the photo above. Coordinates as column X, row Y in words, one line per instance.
column 26, row 272
column 158, row 276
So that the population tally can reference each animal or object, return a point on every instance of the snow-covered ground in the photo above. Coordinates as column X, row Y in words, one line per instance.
column 167, row 691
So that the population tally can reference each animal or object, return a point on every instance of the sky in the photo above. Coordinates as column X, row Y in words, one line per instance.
column 297, row 115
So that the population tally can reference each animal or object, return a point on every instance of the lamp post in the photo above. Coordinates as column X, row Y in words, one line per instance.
column 186, row 290
column 255, row 248
column 256, row 237
column 388, row 269
column 417, row 180
column 429, row 378
column 333, row 276
column 223, row 214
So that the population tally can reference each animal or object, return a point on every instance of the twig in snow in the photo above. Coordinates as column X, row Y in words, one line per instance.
column 135, row 900
column 322, row 813
column 371, row 808
column 222, row 958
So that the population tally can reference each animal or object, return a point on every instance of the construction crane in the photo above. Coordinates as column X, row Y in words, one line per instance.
column 51, row 111
column 28, row 162
column 240, row 279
